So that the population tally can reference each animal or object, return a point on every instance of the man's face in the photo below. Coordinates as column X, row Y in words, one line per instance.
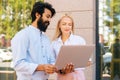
column 44, row 21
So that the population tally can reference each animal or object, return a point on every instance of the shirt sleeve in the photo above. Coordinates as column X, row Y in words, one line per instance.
column 19, row 45
column 82, row 41
column 52, row 60
column 50, row 54
column 53, row 50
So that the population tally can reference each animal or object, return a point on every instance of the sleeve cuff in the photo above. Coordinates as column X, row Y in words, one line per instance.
column 33, row 68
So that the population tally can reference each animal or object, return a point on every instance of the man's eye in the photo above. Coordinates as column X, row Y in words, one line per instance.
column 48, row 17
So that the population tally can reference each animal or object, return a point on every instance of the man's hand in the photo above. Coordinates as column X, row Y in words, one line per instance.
column 48, row 68
column 67, row 69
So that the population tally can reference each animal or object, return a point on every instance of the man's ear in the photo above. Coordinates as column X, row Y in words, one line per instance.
column 37, row 15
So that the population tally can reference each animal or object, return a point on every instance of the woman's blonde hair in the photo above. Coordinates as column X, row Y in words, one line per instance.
column 58, row 32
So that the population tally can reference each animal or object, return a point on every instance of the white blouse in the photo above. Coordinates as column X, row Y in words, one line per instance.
column 72, row 40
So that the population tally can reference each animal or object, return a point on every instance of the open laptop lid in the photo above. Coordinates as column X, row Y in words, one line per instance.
column 77, row 54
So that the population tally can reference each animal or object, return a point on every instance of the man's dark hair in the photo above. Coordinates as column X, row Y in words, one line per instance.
column 40, row 7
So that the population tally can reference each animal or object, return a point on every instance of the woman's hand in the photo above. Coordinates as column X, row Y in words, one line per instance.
column 89, row 63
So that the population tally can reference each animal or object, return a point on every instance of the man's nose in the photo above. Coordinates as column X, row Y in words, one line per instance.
column 49, row 19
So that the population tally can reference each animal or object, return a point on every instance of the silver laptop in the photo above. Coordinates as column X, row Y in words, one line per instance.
column 79, row 55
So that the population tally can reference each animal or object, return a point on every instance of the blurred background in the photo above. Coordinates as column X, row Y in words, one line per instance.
column 109, row 35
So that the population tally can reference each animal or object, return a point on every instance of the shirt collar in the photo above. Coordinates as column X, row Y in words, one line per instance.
column 35, row 28
column 60, row 40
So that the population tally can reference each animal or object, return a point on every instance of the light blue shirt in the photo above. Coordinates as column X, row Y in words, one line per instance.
column 31, row 47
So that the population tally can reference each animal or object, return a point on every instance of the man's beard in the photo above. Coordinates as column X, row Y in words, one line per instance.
column 42, row 26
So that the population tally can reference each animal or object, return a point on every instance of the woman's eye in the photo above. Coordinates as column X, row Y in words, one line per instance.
column 63, row 23
column 70, row 24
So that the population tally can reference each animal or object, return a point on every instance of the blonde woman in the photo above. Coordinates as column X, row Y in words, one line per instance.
column 64, row 36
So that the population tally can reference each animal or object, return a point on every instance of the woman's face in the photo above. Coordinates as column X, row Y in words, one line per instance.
column 66, row 25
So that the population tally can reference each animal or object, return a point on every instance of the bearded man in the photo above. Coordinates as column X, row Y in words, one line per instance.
column 32, row 55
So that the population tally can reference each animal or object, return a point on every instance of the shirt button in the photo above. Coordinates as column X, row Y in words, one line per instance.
column 45, row 73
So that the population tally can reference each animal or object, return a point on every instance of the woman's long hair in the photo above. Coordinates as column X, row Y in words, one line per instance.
column 58, row 32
